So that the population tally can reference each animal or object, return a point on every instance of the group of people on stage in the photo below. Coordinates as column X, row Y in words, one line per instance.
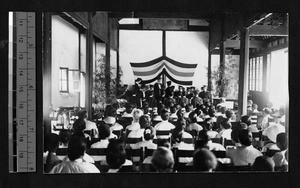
column 154, row 95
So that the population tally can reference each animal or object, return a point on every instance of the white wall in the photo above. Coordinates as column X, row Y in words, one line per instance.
column 137, row 46
column 191, row 48
column 64, row 54
column 183, row 46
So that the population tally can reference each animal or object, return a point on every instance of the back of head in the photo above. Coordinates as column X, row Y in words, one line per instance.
column 228, row 114
column 263, row 163
column 110, row 112
column 204, row 160
column 51, row 142
column 129, row 108
column 149, row 133
column 115, row 154
column 76, row 148
column 82, row 114
column 202, row 141
column 164, row 114
column 137, row 113
column 246, row 119
column 163, row 143
column 245, row 137
column 193, row 117
column 281, row 141
column 104, row 131
column 223, row 109
column 225, row 124
column 64, row 136
column 79, row 125
column 144, row 121
column 163, row 160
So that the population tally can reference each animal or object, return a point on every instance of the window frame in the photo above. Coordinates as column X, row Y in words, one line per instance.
column 60, row 79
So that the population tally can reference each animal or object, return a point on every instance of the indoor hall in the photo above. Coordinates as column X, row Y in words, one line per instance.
column 94, row 63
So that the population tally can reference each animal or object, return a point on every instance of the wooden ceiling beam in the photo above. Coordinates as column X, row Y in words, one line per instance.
column 268, row 30
column 236, row 44
column 177, row 15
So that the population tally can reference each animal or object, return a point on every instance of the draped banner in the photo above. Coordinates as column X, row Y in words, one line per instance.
column 180, row 73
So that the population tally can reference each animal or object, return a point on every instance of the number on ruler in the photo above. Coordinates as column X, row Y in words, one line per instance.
column 21, row 73
column 21, row 122
column 21, row 106
column 21, row 89
column 21, row 56
column 21, row 139
column 21, row 155
column 30, row 45
column 21, row 22
column 21, row 40
column 30, row 86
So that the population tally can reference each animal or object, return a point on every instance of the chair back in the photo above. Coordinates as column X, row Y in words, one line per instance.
column 180, row 167
column 118, row 133
column 98, row 154
column 133, row 140
column 217, row 140
column 228, row 143
column 163, row 132
column 219, row 154
column 188, row 140
column 194, row 133
column 148, row 152
column 271, row 152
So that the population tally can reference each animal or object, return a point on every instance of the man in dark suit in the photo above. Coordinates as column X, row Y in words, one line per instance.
column 205, row 95
column 158, row 89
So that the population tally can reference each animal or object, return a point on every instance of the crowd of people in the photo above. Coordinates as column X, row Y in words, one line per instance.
column 184, row 115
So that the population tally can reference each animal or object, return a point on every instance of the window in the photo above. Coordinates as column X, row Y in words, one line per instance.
column 74, row 78
column 63, row 80
column 255, row 74
column 268, row 72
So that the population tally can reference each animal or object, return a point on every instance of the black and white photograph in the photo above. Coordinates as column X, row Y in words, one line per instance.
column 178, row 94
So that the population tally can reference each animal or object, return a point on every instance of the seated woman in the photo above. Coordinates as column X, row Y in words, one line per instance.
column 110, row 119
column 263, row 163
column 271, row 134
column 163, row 160
column 245, row 154
column 149, row 134
column 193, row 125
column 225, row 130
column 280, row 157
column 116, row 157
column 247, row 120
column 208, row 124
column 78, row 127
column 104, row 134
column 51, row 143
column 75, row 164
column 64, row 138
column 204, row 160
column 137, row 113
column 89, row 125
column 144, row 122
column 203, row 136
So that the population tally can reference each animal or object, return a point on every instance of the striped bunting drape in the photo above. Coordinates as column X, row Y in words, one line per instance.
column 177, row 72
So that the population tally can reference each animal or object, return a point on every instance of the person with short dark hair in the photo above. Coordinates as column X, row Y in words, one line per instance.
column 75, row 164
column 246, row 153
column 264, row 164
column 225, row 130
column 144, row 122
column 280, row 157
column 204, row 160
column 163, row 160
column 164, row 124
column 247, row 120
column 104, row 134
column 64, row 138
column 116, row 156
column 193, row 125
column 51, row 145
column 89, row 125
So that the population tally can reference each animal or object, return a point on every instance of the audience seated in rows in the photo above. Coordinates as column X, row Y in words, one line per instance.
column 76, row 150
